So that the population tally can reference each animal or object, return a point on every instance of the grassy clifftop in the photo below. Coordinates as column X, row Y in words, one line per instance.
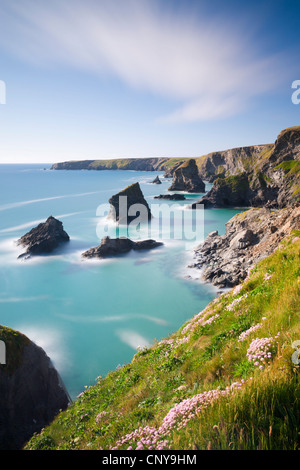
column 225, row 380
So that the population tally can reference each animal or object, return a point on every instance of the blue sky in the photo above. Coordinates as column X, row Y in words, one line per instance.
column 88, row 79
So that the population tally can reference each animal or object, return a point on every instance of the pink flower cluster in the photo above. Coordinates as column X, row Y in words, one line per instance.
column 100, row 416
column 261, row 350
column 177, row 418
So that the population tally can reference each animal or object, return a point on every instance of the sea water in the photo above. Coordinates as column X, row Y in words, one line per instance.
column 91, row 316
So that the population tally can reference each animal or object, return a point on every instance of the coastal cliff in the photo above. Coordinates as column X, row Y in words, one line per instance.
column 31, row 391
column 252, row 176
column 271, row 179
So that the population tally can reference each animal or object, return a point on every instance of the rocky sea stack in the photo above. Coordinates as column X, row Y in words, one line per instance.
column 31, row 390
column 156, row 180
column 117, row 246
column 186, row 178
column 125, row 206
column 44, row 238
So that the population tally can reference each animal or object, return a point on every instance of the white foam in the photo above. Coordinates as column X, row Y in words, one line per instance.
column 133, row 339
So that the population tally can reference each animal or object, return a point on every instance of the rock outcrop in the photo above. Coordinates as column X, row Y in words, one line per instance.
column 250, row 236
column 124, row 206
column 117, row 246
column 186, row 178
column 44, row 238
column 31, row 390
column 156, row 180
column 171, row 197
column 227, row 192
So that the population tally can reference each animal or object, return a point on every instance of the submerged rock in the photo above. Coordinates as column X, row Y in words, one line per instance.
column 124, row 205
column 118, row 246
column 44, row 238
column 186, row 178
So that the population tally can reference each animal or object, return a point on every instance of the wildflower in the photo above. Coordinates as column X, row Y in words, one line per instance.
column 261, row 349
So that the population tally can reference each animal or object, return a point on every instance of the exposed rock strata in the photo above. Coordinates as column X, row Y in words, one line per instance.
column 186, row 178
column 250, row 236
column 118, row 246
column 271, row 179
column 31, row 391
column 44, row 238
column 122, row 205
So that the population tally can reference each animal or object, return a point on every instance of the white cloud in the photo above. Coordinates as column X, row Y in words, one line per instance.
column 206, row 66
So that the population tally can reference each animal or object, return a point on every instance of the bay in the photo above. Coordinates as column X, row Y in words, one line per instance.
column 91, row 316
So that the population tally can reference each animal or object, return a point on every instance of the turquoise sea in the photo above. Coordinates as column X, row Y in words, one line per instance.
column 91, row 316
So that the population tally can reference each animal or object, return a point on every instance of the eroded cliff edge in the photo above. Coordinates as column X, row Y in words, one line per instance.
column 250, row 236
column 31, row 390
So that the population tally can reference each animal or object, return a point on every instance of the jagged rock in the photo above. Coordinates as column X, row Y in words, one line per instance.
column 32, row 392
column 44, row 238
column 171, row 197
column 250, row 236
column 156, row 181
column 121, row 205
column 118, row 246
column 186, row 178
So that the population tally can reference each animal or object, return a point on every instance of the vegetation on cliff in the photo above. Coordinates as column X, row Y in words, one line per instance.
column 225, row 380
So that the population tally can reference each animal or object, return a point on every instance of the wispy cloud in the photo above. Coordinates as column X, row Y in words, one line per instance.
column 208, row 67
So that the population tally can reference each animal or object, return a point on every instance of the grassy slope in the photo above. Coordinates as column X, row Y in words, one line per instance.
column 261, row 412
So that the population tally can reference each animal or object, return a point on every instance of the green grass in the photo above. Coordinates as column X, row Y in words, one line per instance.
column 203, row 356
column 14, row 343
column 290, row 167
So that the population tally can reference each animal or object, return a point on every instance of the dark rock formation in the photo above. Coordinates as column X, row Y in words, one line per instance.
column 227, row 192
column 171, row 197
column 122, row 210
column 118, row 246
column 186, row 178
column 44, row 238
column 250, row 236
column 31, row 391
column 156, row 181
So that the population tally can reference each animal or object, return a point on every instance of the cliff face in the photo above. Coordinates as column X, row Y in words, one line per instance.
column 121, row 205
column 250, row 236
column 186, row 178
column 138, row 164
column 31, row 390
column 272, row 180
